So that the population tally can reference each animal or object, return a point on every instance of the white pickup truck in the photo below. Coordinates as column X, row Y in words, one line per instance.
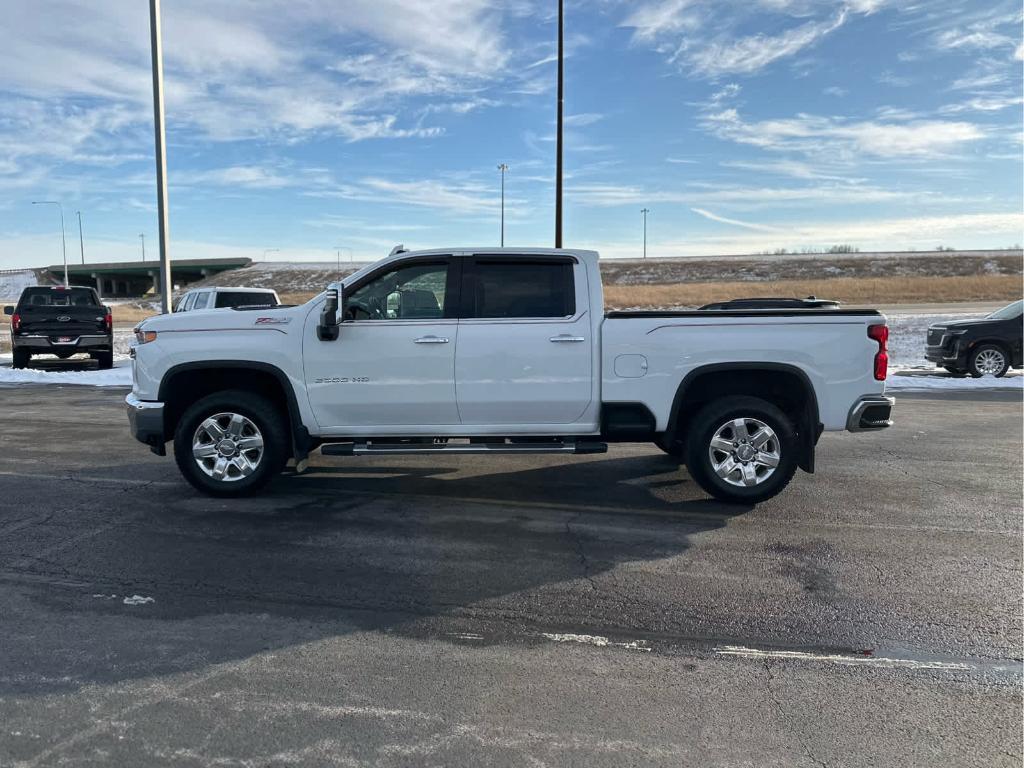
column 504, row 351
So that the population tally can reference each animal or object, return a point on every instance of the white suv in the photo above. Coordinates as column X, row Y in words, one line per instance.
column 225, row 298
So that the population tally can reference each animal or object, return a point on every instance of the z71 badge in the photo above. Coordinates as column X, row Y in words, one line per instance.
column 273, row 320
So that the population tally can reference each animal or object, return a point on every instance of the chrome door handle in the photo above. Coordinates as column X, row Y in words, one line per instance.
column 566, row 337
column 430, row 340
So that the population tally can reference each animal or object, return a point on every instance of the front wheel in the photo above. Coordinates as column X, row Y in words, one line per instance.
column 741, row 449
column 988, row 360
column 231, row 443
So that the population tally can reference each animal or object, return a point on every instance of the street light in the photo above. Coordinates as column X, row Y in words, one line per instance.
column 502, row 167
column 558, row 139
column 645, row 211
column 142, row 237
column 160, row 147
column 63, row 243
column 270, row 250
column 351, row 255
column 81, row 240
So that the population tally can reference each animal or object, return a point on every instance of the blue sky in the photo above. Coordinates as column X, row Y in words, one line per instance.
column 302, row 126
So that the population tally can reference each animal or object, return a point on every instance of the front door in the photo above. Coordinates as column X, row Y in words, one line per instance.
column 392, row 365
column 524, row 354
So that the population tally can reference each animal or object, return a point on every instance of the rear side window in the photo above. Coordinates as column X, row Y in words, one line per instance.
column 522, row 288
column 245, row 299
column 202, row 300
column 57, row 297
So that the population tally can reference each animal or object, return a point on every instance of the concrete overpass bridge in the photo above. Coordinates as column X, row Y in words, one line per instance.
column 127, row 279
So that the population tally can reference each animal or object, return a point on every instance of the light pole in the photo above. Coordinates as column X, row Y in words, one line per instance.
column 63, row 242
column 558, row 139
column 156, row 50
column 645, row 211
column 502, row 167
column 142, row 237
column 270, row 250
column 351, row 255
column 81, row 239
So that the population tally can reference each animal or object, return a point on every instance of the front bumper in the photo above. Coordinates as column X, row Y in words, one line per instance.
column 942, row 355
column 79, row 343
column 870, row 413
column 146, row 422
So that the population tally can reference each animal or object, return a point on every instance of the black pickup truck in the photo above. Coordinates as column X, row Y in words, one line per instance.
column 61, row 321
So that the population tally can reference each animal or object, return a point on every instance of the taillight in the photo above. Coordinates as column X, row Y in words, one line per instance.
column 15, row 323
column 880, row 333
column 108, row 322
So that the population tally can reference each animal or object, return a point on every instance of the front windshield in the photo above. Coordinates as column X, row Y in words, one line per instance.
column 1008, row 312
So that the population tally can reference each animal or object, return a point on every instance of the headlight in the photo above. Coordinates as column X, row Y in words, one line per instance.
column 144, row 337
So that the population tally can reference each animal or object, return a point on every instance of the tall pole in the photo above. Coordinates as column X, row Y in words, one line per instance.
column 63, row 240
column 142, row 237
column 502, row 167
column 645, row 211
column 156, row 49
column 558, row 140
column 81, row 239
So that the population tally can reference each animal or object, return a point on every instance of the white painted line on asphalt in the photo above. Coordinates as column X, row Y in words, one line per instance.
column 465, row 635
column 836, row 658
column 598, row 641
column 138, row 600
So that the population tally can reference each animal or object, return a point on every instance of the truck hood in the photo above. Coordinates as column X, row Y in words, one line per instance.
column 212, row 319
column 964, row 323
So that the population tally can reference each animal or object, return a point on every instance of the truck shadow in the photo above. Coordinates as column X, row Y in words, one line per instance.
column 396, row 546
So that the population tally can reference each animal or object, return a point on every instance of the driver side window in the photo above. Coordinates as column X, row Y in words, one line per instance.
column 410, row 292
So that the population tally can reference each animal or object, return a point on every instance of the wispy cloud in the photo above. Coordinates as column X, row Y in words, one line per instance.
column 696, row 36
column 817, row 135
column 734, row 222
column 751, row 54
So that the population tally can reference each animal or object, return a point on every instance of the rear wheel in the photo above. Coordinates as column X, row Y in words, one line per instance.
column 231, row 443
column 105, row 360
column 21, row 358
column 741, row 449
column 988, row 360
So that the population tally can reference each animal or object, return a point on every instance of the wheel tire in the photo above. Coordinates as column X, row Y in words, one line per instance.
column 21, row 358
column 264, row 415
column 954, row 371
column 670, row 446
column 105, row 360
column 714, row 418
column 988, row 359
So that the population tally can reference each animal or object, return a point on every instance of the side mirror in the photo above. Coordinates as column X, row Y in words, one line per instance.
column 8, row 310
column 327, row 330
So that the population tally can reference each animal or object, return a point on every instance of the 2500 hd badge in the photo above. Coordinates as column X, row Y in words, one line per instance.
column 343, row 380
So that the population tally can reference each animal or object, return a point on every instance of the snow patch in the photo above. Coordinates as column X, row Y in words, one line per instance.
column 12, row 283
column 138, row 600
column 118, row 376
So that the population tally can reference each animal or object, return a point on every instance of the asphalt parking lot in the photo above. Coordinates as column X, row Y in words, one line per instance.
column 511, row 610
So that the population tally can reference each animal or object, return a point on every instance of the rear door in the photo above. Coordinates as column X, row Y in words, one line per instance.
column 524, row 354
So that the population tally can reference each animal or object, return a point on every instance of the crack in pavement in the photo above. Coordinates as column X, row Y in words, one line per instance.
column 785, row 716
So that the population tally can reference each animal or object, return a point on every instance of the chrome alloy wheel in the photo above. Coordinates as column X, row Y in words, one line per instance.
column 989, row 362
column 227, row 447
column 744, row 452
